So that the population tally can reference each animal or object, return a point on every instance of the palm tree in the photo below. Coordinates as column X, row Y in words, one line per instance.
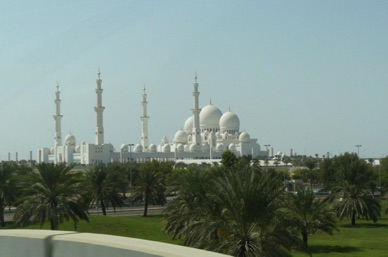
column 52, row 192
column 150, row 185
column 353, row 189
column 309, row 214
column 357, row 202
column 240, row 216
column 103, row 187
column 311, row 163
column 7, row 187
column 191, row 185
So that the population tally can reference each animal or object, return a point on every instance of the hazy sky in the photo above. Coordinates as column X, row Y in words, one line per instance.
column 307, row 75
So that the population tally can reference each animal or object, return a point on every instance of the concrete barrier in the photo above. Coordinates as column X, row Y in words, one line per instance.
column 48, row 243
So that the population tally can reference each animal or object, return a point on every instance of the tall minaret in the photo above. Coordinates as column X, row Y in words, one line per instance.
column 99, row 110
column 196, row 111
column 144, row 122
column 58, row 118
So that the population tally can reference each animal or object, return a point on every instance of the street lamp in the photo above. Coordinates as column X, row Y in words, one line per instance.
column 130, row 164
column 358, row 150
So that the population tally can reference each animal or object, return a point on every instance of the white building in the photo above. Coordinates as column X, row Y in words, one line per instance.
column 206, row 135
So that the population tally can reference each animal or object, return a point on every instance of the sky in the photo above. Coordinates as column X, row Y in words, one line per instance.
column 311, row 76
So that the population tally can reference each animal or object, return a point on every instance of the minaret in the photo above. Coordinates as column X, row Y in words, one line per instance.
column 57, row 118
column 99, row 110
column 144, row 122
column 196, row 111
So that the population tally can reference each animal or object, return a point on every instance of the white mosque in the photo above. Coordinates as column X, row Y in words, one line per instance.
column 206, row 134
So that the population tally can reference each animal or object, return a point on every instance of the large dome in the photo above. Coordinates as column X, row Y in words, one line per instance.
column 229, row 122
column 189, row 125
column 209, row 117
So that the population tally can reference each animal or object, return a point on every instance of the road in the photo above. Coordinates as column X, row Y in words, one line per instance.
column 124, row 211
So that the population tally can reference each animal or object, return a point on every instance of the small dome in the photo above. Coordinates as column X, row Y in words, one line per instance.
column 51, row 150
column 220, row 147
column 77, row 149
column 209, row 117
column 180, row 148
column 166, row 148
column 244, row 137
column 229, row 122
column 70, row 140
column 194, row 148
column 218, row 134
column 188, row 127
column 138, row 148
column 186, row 148
column 180, row 137
column 205, row 147
column 152, row 148
column 232, row 147
column 124, row 147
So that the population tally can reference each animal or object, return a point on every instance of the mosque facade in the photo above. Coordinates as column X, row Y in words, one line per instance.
column 206, row 134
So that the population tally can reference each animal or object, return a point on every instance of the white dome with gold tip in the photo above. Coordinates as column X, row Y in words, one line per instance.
column 209, row 117
column 229, row 122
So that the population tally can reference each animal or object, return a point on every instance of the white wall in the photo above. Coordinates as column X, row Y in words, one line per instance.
column 47, row 243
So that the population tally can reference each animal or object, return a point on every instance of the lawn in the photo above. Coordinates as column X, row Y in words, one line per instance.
column 365, row 239
column 150, row 228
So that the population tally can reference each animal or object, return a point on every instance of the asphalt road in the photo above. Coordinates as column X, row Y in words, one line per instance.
column 124, row 211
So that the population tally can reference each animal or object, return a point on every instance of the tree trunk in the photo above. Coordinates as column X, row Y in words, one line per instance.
column 145, row 207
column 52, row 224
column 305, row 238
column 2, row 222
column 103, row 208
column 353, row 218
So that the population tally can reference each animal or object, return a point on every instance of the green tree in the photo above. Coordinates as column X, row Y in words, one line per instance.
column 191, row 185
column 8, row 187
column 52, row 192
column 150, row 185
column 353, row 178
column 309, row 214
column 311, row 163
column 228, row 159
column 103, row 187
column 240, row 215
column 327, row 172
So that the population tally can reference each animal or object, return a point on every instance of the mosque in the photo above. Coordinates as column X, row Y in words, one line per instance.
column 206, row 134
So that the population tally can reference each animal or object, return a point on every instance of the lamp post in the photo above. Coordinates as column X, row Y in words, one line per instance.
column 358, row 150
column 130, row 165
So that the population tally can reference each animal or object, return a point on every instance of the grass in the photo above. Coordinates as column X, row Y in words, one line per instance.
column 365, row 239
column 150, row 228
